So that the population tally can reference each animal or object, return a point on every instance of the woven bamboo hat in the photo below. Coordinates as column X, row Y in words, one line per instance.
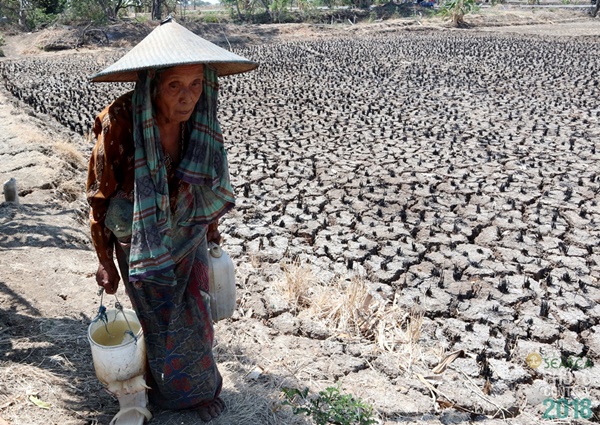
column 171, row 44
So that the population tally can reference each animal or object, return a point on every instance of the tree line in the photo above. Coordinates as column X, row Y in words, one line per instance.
column 35, row 14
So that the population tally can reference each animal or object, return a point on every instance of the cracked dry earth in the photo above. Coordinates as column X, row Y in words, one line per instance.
column 432, row 197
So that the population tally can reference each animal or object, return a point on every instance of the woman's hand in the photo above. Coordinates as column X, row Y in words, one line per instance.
column 107, row 277
column 213, row 234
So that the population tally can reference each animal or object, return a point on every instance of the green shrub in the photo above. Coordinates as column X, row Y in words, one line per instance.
column 329, row 407
column 38, row 18
column 85, row 11
column 210, row 18
column 142, row 18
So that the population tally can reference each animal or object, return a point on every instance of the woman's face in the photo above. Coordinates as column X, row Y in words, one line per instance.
column 177, row 92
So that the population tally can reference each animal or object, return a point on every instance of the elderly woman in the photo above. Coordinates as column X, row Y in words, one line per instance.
column 158, row 182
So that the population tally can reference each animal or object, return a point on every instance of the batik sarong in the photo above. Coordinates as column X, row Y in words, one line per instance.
column 175, row 316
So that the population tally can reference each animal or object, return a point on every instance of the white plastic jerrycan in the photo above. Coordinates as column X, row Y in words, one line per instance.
column 221, row 275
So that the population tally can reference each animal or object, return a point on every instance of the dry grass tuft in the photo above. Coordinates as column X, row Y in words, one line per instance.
column 396, row 327
column 350, row 308
column 21, row 381
column 400, row 332
column 70, row 190
column 70, row 153
column 344, row 306
column 255, row 260
column 296, row 284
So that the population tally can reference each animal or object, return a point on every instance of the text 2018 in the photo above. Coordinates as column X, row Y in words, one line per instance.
column 582, row 408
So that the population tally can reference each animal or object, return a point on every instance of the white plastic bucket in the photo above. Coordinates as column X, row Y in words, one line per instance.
column 221, row 280
column 119, row 362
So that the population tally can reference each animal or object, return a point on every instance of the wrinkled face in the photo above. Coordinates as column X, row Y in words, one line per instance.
column 177, row 92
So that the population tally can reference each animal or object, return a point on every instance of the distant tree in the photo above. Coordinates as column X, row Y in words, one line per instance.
column 22, row 13
column 32, row 14
column 112, row 8
column 13, row 11
column 359, row 4
column 241, row 9
column 98, row 11
column 9, row 10
column 50, row 6
column 29, row 14
column 456, row 10
column 157, row 10
column 326, row 3
column 266, row 4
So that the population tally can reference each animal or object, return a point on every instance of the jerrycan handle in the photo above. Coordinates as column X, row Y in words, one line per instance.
column 215, row 250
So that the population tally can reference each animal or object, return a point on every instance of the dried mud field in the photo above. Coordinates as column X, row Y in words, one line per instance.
column 417, row 222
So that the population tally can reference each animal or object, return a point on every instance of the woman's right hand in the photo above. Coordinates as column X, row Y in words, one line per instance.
column 107, row 277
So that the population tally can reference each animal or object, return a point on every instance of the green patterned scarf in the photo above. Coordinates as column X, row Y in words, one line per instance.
column 204, row 166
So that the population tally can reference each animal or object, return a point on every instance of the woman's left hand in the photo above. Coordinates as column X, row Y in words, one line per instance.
column 213, row 234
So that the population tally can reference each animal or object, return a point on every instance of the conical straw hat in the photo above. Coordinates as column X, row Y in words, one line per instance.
column 171, row 44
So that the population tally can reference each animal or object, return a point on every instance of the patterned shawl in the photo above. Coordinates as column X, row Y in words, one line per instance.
column 203, row 166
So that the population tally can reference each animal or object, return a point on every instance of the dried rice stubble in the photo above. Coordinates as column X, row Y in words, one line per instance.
column 296, row 284
column 351, row 309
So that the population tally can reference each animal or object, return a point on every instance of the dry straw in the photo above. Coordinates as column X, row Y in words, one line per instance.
column 350, row 309
column 296, row 284
column 70, row 153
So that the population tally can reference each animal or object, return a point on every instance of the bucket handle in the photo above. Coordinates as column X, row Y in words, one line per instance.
column 102, row 311
column 104, row 318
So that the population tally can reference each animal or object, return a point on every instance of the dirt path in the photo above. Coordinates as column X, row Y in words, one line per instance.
column 46, row 291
